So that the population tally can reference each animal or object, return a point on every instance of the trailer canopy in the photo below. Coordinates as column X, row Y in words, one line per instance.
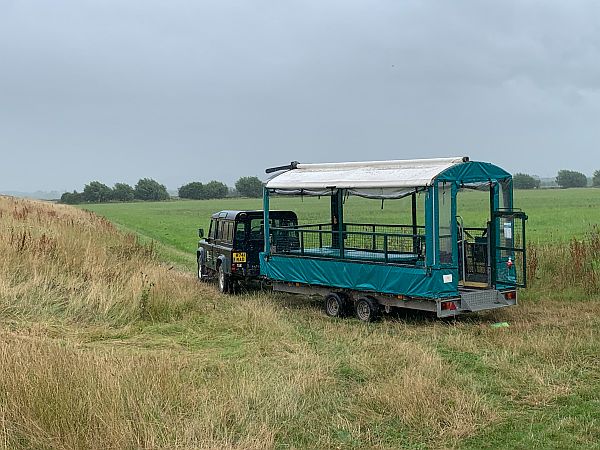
column 381, row 179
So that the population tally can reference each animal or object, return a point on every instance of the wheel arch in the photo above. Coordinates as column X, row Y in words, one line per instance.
column 222, row 261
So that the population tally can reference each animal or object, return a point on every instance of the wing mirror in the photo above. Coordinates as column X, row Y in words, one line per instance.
column 200, row 232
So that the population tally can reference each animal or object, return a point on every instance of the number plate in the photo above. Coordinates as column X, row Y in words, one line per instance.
column 239, row 257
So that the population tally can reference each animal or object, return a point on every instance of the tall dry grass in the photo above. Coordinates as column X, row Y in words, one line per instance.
column 569, row 269
column 69, row 263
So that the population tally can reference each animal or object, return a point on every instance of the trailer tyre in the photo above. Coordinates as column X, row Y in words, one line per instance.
column 223, row 280
column 367, row 309
column 336, row 305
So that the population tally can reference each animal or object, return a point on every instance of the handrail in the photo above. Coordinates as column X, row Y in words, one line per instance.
column 360, row 233
column 396, row 225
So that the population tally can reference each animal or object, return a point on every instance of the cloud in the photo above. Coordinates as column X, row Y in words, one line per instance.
column 184, row 90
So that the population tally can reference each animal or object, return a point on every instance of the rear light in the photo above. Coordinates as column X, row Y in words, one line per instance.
column 449, row 306
column 510, row 295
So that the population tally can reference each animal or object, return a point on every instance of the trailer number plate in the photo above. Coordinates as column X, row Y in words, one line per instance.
column 239, row 257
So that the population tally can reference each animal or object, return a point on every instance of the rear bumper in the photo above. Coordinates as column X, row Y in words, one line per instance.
column 476, row 300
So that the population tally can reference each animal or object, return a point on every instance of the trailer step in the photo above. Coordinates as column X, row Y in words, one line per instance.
column 482, row 300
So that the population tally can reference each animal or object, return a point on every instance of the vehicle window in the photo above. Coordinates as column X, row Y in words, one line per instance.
column 229, row 235
column 257, row 225
column 213, row 229
column 221, row 233
column 240, row 231
column 256, row 229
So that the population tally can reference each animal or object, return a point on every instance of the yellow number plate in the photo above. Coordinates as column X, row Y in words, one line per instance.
column 239, row 257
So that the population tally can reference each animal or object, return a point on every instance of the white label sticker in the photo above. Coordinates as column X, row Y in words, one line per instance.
column 507, row 230
column 448, row 278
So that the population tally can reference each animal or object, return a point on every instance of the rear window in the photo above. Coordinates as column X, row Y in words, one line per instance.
column 256, row 229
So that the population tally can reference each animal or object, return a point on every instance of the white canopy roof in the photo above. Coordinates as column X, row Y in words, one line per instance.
column 364, row 175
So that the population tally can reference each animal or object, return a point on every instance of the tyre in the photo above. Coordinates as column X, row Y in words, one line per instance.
column 336, row 305
column 223, row 280
column 367, row 309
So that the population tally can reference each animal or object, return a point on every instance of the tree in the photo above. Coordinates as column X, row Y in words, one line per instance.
column 122, row 192
column 570, row 178
column 149, row 189
column 71, row 198
column 96, row 192
column 525, row 181
column 216, row 189
column 249, row 187
column 596, row 179
column 193, row 190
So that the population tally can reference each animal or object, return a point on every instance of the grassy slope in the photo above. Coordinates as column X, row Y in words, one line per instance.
column 103, row 346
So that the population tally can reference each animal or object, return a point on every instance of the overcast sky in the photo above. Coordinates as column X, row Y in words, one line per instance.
column 181, row 90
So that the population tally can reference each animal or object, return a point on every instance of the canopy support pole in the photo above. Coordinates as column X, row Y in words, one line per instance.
column 414, row 223
column 337, row 220
column 266, row 220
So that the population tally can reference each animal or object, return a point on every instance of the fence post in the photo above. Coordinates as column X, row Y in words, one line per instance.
column 385, row 247
column 374, row 238
column 320, row 236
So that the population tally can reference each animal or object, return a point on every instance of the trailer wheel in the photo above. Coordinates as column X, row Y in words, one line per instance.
column 224, row 283
column 367, row 309
column 336, row 305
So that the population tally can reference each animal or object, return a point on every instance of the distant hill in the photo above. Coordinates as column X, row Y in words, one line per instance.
column 38, row 195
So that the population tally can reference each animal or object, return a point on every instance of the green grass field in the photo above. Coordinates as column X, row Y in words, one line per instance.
column 106, row 345
column 554, row 215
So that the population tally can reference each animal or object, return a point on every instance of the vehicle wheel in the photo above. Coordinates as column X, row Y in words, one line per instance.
column 367, row 309
column 223, row 279
column 202, row 272
column 336, row 305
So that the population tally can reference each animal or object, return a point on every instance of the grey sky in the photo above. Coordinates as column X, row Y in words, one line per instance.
column 195, row 90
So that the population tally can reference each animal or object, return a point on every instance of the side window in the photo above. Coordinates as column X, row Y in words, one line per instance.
column 213, row 229
column 221, row 235
column 227, row 232
column 231, row 231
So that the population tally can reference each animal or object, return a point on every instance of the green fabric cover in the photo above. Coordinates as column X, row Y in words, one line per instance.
column 473, row 172
column 361, row 276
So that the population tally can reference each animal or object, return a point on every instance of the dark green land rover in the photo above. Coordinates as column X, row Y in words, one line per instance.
column 235, row 238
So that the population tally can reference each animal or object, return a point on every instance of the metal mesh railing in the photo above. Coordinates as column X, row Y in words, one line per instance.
column 368, row 242
column 473, row 248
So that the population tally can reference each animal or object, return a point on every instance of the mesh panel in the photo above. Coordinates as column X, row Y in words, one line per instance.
column 367, row 242
column 510, row 257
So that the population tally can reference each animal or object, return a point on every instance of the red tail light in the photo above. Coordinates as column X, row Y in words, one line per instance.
column 449, row 306
column 510, row 295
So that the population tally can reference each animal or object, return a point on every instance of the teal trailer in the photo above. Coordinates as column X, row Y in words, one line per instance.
column 435, row 263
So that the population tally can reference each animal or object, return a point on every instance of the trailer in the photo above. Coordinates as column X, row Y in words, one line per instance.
column 435, row 263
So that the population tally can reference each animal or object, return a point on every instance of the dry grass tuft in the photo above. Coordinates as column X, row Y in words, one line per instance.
column 573, row 267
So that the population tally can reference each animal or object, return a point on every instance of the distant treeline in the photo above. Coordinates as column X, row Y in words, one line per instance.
column 148, row 189
column 564, row 179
